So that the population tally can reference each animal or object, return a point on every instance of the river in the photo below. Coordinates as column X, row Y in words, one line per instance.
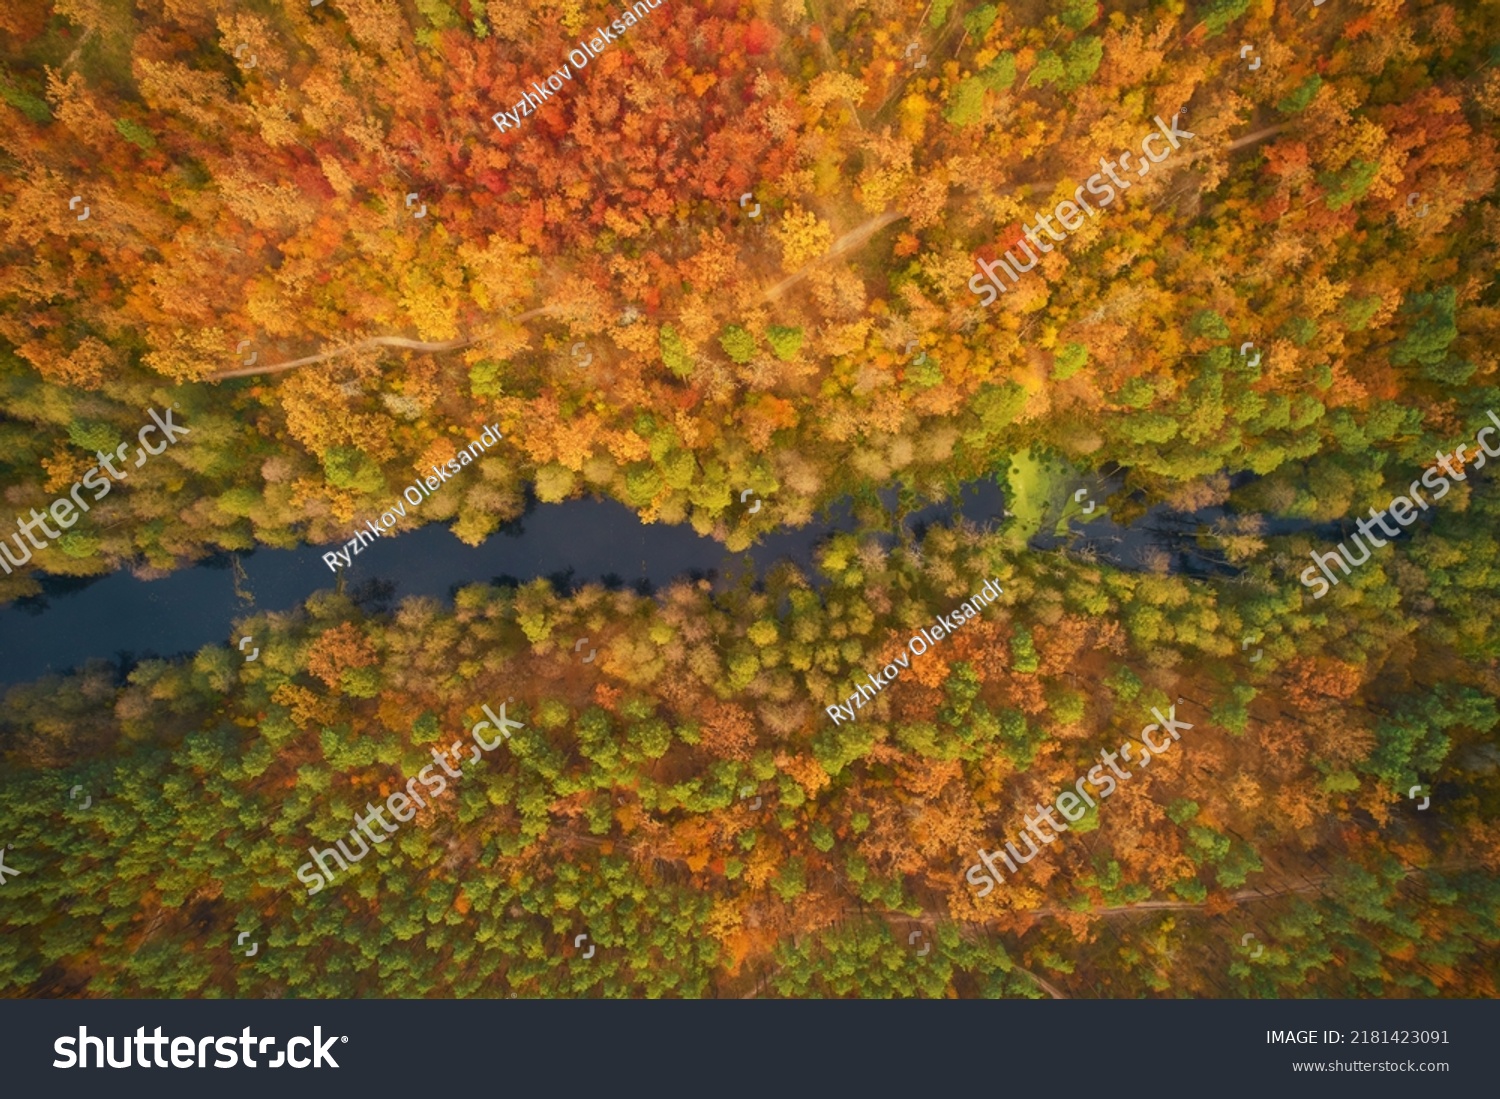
column 125, row 619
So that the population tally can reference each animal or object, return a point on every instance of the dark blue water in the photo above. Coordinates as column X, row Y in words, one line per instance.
column 125, row 619
column 120, row 617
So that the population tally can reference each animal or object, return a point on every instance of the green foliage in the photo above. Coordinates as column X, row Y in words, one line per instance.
column 78, row 545
column 94, row 436
column 1341, row 782
column 925, row 739
column 1066, row 706
column 1415, row 740
column 1000, row 73
column 1358, row 312
column 1019, row 741
column 1124, row 683
column 1300, row 330
column 1087, row 823
column 479, row 9
column 967, row 102
column 867, row 958
column 1049, row 69
column 675, row 353
column 1209, row 845
column 1218, row 14
column 1182, row 810
column 240, row 502
column 939, row 13
column 791, row 880
column 1432, row 329
column 1191, row 890
column 439, row 14
column 642, row 485
column 1208, row 324
column 1069, row 360
column 1023, row 655
column 651, row 738
column 1298, row 99
column 1078, row 14
column 33, row 107
column 1081, row 61
column 487, row 377
column 737, row 343
column 136, row 134
column 426, row 729
column 785, row 342
column 360, row 682
column 349, row 467
column 926, row 373
column 1237, row 867
column 1350, row 184
column 995, row 406
column 1233, row 713
column 979, row 21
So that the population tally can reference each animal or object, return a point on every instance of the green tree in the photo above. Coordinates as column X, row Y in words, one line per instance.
column 738, row 344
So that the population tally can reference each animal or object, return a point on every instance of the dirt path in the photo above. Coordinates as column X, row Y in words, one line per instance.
column 1310, row 885
column 364, row 345
column 851, row 240
column 1251, row 139
column 861, row 234
column 1049, row 989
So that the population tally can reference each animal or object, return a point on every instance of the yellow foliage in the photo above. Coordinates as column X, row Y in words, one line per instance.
column 830, row 86
column 804, row 237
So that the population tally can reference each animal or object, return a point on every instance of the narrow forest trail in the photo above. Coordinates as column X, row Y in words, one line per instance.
column 1310, row 885
column 365, row 345
column 853, row 239
column 861, row 234
column 850, row 241
column 1050, row 989
column 1258, row 135
column 927, row 919
column 349, row 349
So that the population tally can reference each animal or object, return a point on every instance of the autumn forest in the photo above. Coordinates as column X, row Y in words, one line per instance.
column 731, row 256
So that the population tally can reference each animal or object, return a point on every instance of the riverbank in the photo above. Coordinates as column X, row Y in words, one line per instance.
column 122, row 617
